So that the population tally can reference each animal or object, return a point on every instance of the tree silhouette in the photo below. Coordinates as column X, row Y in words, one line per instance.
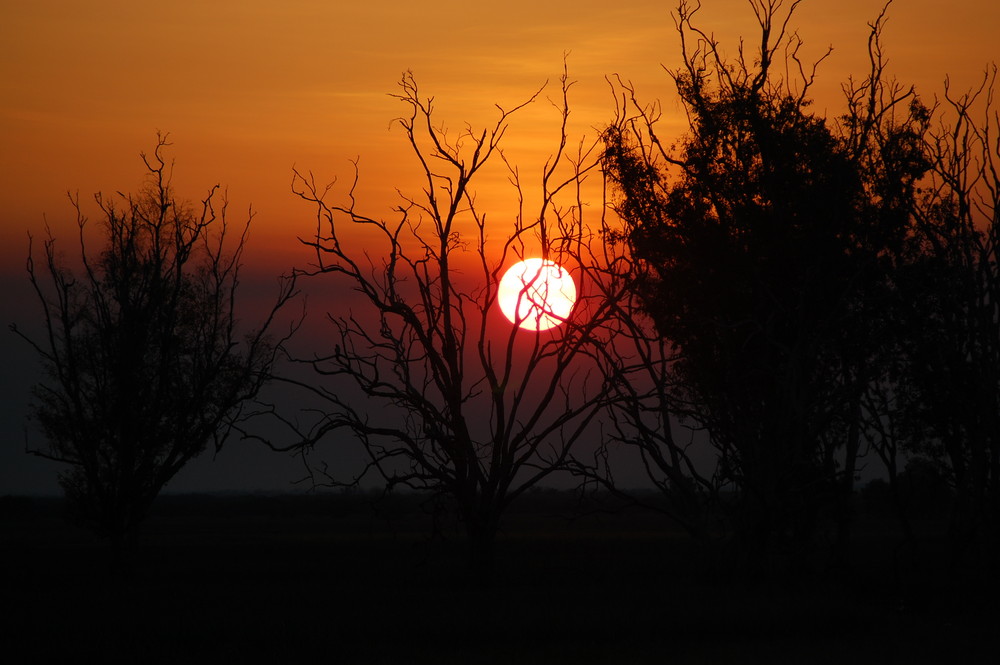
column 144, row 359
column 639, row 418
column 882, row 130
column 951, row 371
column 443, row 395
column 761, row 246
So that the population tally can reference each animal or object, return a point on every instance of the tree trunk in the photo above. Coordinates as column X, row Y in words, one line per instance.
column 845, row 513
column 481, row 530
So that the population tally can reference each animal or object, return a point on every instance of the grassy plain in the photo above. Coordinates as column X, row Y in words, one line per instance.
column 335, row 579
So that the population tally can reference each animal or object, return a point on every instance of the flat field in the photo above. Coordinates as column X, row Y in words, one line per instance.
column 337, row 579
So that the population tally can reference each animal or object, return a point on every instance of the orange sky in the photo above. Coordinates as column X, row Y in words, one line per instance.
column 250, row 88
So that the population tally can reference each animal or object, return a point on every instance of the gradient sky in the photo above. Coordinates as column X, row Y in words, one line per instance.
column 249, row 88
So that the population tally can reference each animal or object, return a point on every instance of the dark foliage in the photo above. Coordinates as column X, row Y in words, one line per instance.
column 754, row 242
column 828, row 289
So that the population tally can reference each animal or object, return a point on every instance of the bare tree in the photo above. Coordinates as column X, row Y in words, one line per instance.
column 882, row 129
column 952, row 350
column 442, row 394
column 640, row 418
column 145, row 362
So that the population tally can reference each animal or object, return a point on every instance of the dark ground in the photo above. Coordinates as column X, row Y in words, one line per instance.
column 325, row 579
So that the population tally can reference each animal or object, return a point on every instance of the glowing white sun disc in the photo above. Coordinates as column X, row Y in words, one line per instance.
column 536, row 294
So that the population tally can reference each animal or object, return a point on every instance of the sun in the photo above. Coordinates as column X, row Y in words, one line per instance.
column 536, row 294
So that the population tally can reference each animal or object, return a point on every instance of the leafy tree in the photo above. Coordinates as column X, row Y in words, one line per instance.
column 145, row 362
column 761, row 240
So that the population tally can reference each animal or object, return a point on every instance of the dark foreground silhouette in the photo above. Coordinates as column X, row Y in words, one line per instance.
column 282, row 579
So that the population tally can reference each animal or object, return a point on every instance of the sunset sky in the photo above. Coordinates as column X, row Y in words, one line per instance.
column 248, row 89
